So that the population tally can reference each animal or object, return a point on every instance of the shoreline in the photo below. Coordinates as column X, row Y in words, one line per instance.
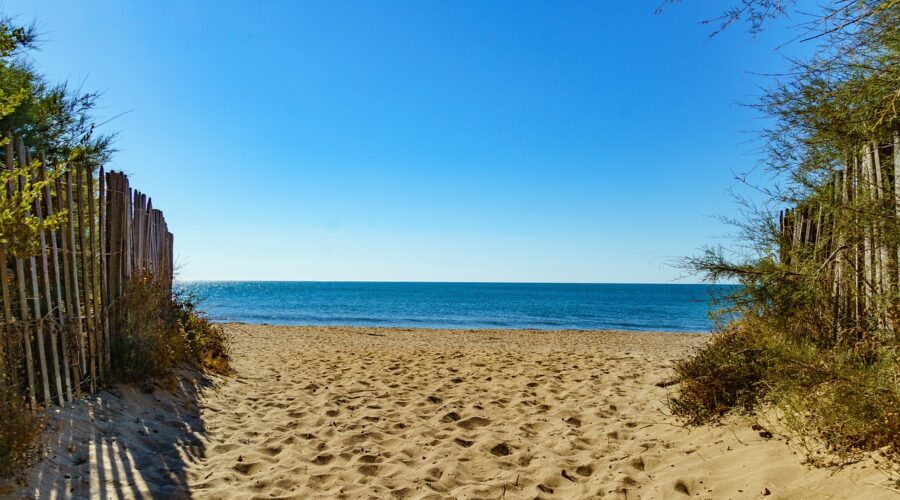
column 227, row 322
column 338, row 412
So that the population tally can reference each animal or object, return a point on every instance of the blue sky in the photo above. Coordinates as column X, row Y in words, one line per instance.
column 420, row 140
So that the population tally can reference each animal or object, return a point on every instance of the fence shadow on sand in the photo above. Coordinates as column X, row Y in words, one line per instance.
column 123, row 443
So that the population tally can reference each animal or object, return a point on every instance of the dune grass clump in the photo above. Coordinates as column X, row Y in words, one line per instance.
column 206, row 343
column 727, row 374
column 162, row 332
column 837, row 400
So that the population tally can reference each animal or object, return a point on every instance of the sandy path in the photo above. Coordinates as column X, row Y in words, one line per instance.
column 491, row 414
column 361, row 412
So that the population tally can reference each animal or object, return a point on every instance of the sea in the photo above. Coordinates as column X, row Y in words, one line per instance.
column 544, row 306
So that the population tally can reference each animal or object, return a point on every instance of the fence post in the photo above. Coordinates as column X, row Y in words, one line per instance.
column 56, row 272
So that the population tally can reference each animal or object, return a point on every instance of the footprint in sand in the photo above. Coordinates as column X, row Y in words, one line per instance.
column 574, row 421
column 501, row 450
column 450, row 417
column 368, row 470
column 473, row 423
column 465, row 443
column 584, row 470
column 248, row 468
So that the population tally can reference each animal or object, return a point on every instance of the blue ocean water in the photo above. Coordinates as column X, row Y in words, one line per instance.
column 667, row 307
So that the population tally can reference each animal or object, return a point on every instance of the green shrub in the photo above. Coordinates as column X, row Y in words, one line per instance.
column 840, row 399
column 725, row 374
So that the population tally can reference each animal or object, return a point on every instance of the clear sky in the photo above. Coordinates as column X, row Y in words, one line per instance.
column 420, row 140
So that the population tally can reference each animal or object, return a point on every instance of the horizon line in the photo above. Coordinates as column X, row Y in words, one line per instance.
column 445, row 282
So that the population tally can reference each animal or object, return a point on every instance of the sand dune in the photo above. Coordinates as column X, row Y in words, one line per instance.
column 393, row 413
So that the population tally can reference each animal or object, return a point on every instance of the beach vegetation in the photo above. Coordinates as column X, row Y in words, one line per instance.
column 817, row 337
column 19, row 430
column 162, row 332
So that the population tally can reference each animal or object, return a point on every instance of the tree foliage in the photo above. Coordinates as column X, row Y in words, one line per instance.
column 816, row 336
column 50, row 118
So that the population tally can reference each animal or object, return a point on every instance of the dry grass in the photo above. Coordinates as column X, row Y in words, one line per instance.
column 725, row 375
column 838, row 400
column 161, row 332
column 19, row 429
column 205, row 342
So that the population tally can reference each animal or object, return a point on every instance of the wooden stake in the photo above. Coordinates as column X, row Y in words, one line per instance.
column 868, row 268
column 54, row 256
column 94, row 282
column 114, row 251
column 129, row 233
column 897, row 191
column 73, row 261
column 104, row 286
column 71, row 304
column 882, row 255
column 86, row 277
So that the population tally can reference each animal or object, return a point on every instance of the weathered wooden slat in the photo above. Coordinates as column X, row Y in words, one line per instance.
column 897, row 192
column 25, row 328
column 171, row 259
column 868, row 268
column 129, row 232
column 122, row 228
column 96, row 316
column 60, row 307
column 138, row 231
column 104, row 285
column 84, row 246
column 880, row 257
column 76, row 314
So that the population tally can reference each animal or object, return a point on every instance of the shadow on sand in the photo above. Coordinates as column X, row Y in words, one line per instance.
column 123, row 443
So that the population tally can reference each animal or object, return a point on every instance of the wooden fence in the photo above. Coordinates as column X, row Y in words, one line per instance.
column 851, row 238
column 60, row 306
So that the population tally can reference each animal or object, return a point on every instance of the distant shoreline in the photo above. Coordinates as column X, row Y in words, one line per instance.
column 426, row 282
column 545, row 306
column 336, row 326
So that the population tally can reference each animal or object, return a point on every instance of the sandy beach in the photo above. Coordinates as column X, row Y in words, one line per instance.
column 338, row 412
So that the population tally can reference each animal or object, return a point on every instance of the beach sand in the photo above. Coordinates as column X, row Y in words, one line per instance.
column 338, row 412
